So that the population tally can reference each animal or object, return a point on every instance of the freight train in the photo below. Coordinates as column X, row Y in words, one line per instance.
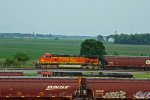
column 53, row 61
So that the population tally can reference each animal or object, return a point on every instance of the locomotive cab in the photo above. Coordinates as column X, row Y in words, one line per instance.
column 47, row 55
column 42, row 59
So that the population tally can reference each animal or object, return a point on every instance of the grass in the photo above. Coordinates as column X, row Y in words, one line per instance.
column 90, row 73
column 30, row 74
column 141, row 75
column 36, row 47
column 125, row 49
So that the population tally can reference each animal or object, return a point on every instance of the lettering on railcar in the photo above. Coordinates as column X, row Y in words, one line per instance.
column 142, row 95
column 112, row 94
column 116, row 94
column 99, row 92
column 50, row 87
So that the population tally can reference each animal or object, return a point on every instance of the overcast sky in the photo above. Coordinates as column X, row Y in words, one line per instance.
column 75, row 17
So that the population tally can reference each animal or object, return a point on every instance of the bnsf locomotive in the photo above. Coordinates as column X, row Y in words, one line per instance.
column 53, row 61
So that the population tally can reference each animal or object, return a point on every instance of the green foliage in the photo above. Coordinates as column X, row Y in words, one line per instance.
column 115, row 53
column 141, row 55
column 12, row 63
column 9, row 62
column 92, row 47
column 23, row 57
column 132, row 39
column 2, row 62
column 100, row 38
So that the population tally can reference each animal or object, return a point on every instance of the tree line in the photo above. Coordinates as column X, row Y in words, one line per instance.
column 143, row 39
column 25, row 35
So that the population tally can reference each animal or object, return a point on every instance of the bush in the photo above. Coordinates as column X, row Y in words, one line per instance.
column 12, row 63
column 9, row 62
column 2, row 62
column 115, row 53
column 23, row 57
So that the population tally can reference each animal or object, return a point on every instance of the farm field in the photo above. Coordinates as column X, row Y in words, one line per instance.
column 36, row 47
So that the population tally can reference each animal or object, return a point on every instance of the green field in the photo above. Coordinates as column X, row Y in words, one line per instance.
column 36, row 47
column 125, row 49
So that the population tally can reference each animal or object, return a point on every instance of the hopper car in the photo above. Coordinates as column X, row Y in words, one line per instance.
column 53, row 61
column 125, row 62
column 73, row 89
column 126, row 89
column 38, row 88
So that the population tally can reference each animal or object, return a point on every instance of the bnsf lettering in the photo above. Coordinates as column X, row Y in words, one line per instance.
column 56, row 87
column 69, row 59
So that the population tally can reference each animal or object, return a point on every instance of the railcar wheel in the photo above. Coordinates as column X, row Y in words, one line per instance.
column 109, row 67
column 43, row 66
column 84, row 67
column 55, row 66
column 90, row 67
column 48, row 66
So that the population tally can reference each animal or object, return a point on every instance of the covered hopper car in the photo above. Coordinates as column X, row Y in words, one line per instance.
column 38, row 88
column 126, row 89
column 65, row 61
column 125, row 62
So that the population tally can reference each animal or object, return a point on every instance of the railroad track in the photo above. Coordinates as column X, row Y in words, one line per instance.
column 69, row 70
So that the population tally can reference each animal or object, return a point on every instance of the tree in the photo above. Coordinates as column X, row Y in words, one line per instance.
column 23, row 57
column 100, row 38
column 92, row 47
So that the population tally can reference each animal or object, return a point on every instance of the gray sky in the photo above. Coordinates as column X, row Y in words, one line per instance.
column 75, row 17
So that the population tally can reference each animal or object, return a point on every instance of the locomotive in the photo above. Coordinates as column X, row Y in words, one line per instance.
column 53, row 61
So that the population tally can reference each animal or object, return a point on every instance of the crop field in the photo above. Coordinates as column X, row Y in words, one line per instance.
column 125, row 49
column 36, row 47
